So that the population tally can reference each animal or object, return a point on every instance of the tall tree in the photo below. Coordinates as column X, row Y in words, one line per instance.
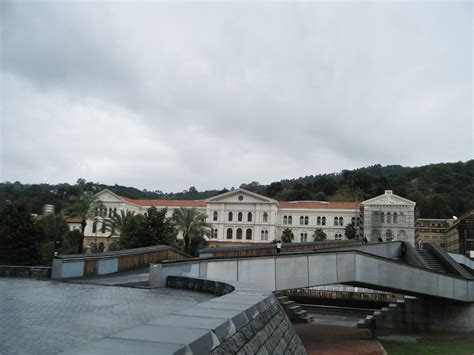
column 287, row 236
column 191, row 223
column 85, row 206
column 350, row 231
column 319, row 235
column 21, row 239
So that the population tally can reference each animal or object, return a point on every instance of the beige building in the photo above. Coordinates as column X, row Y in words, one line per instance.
column 241, row 216
column 388, row 217
column 430, row 230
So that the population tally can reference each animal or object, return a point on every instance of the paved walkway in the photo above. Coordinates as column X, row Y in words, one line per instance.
column 48, row 317
column 326, row 339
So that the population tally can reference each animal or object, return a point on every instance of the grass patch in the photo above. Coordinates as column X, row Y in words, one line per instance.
column 430, row 347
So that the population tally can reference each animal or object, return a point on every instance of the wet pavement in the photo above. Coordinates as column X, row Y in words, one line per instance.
column 47, row 317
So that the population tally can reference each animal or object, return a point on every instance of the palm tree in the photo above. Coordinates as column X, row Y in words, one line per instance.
column 117, row 222
column 191, row 223
column 85, row 206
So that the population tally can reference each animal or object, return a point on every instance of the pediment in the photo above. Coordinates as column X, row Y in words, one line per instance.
column 240, row 196
column 388, row 200
column 108, row 196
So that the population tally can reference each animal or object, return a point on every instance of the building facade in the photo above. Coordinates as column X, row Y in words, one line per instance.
column 430, row 230
column 241, row 216
column 460, row 235
column 388, row 217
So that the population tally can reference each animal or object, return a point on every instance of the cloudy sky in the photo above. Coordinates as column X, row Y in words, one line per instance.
column 163, row 95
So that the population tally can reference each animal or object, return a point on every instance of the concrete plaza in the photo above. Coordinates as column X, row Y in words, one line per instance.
column 47, row 317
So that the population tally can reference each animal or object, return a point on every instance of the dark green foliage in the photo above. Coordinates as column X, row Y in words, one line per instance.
column 55, row 230
column 192, row 224
column 319, row 235
column 196, row 244
column 154, row 228
column 287, row 236
column 350, row 231
column 21, row 239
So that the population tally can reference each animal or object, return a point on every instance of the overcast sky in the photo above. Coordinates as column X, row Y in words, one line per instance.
column 163, row 95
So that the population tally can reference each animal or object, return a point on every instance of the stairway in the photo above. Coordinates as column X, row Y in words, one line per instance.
column 293, row 310
column 434, row 263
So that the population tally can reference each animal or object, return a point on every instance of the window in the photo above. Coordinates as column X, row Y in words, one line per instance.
column 304, row 237
column 318, row 221
column 265, row 217
column 249, row 217
column 336, row 221
column 290, row 220
column 285, row 220
column 382, row 217
column 338, row 236
column 229, row 233
column 239, row 233
column 388, row 236
column 306, row 220
column 264, row 234
column 395, row 217
column 389, row 217
column 248, row 234
column 102, row 230
column 94, row 227
column 214, row 233
column 301, row 220
column 215, row 216
column 353, row 221
column 323, row 221
column 230, row 216
column 341, row 221
column 239, row 217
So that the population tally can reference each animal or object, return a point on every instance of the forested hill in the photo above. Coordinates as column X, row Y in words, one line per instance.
column 440, row 190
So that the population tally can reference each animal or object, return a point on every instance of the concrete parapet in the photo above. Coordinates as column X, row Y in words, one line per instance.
column 36, row 272
column 245, row 319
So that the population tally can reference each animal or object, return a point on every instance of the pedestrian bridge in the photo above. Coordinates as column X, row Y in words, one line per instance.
column 394, row 267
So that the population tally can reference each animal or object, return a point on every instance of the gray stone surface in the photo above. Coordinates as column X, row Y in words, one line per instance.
column 48, row 317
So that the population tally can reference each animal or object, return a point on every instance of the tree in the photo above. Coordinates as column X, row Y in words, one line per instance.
column 287, row 236
column 191, row 223
column 137, row 231
column 85, row 206
column 350, row 231
column 55, row 230
column 21, row 239
column 319, row 235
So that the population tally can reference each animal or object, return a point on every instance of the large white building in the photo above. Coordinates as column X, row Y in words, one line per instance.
column 243, row 216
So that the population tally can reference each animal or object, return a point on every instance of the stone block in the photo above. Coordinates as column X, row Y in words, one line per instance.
column 291, row 272
column 198, row 340
column 345, row 267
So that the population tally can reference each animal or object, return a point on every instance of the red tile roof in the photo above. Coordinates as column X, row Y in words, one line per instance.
column 168, row 203
column 320, row 205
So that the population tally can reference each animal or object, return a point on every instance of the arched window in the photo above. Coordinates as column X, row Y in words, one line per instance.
column 229, row 233
column 264, row 234
column 102, row 230
column 248, row 234
column 239, row 233
column 338, row 236
column 389, row 217
column 290, row 220
column 230, row 216
column 395, row 217
column 239, row 217
column 285, row 220
column 306, row 220
column 323, row 221
column 301, row 220
column 318, row 221
column 341, row 221
column 214, row 233
column 382, row 217
column 304, row 237
column 215, row 216
column 336, row 221
column 265, row 217
column 353, row 221
column 94, row 227
column 249, row 217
